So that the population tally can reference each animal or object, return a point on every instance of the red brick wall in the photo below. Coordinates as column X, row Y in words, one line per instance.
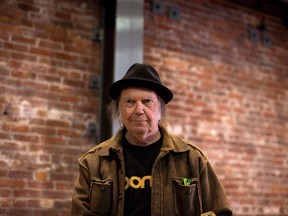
column 231, row 95
column 230, row 98
column 46, row 59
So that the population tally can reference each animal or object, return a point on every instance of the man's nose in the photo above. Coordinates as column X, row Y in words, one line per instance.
column 139, row 108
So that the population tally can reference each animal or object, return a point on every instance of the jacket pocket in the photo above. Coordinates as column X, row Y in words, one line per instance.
column 101, row 196
column 186, row 197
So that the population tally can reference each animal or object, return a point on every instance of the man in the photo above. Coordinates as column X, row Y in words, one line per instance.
column 143, row 169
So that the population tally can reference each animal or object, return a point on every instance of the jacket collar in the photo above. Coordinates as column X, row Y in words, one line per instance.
column 171, row 142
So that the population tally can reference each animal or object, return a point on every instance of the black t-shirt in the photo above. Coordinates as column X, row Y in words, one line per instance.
column 138, row 164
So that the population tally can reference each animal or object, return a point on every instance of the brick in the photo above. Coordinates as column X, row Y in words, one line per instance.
column 18, row 203
column 62, row 108
column 53, row 140
column 24, row 40
column 5, row 192
column 41, row 176
column 50, row 45
column 14, row 46
column 69, row 133
column 65, row 56
column 28, row 7
column 26, row 138
column 12, row 146
column 22, row 74
column 49, row 79
column 64, row 186
column 80, row 47
column 26, row 193
column 23, row 57
column 62, row 15
column 40, row 184
column 58, row 123
column 4, row 136
column 55, row 194
column 43, row 131
column 43, row 52
column 62, row 89
column 61, row 176
column 12, row 183
column 16, row 128
column 75, row 83
column 6, row 203
column 20, row 174
column 86, row 109
column 3, row 173
column 4, row 71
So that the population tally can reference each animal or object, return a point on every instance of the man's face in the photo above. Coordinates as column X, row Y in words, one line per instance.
column 139, row 112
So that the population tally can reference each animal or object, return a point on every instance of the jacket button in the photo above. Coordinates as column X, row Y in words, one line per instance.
column 189, row 191
column 120, row 197
column 102, row 188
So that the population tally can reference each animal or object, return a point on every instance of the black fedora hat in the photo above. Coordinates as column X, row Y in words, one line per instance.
column 141, row 75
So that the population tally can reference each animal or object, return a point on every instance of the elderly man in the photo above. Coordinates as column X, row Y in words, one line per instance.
column 143, row 169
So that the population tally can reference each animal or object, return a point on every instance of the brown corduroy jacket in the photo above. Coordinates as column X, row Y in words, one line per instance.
column 100, row 186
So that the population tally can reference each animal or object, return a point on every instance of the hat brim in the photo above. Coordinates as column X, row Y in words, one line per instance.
column 116, row 88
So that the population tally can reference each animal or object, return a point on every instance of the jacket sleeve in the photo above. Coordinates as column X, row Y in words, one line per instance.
column 213, row 196
column 81, row 193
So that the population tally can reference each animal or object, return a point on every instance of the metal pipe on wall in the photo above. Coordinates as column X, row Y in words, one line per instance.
column 122, row 46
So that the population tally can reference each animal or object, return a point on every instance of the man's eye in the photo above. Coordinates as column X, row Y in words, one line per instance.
column 147, row 102
column 129, row 102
